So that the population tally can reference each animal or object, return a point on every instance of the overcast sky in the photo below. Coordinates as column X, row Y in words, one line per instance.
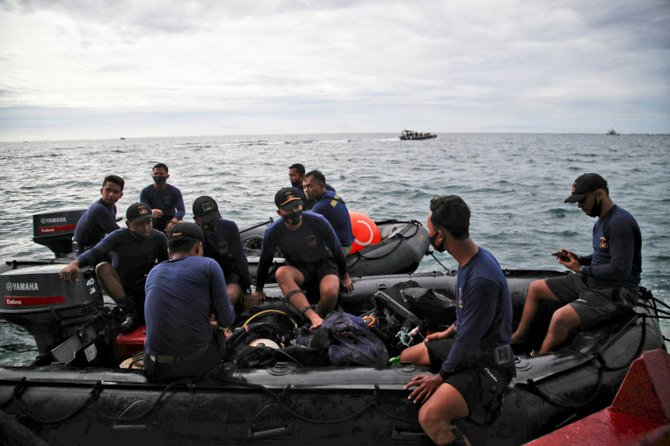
column 104, row 69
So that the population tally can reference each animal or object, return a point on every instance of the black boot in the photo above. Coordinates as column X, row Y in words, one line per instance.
column 129, row 315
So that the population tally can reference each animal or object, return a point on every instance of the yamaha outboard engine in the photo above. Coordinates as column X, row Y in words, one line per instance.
column 68, row 320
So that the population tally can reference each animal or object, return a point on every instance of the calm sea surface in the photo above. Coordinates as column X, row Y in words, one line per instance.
column 515, row 185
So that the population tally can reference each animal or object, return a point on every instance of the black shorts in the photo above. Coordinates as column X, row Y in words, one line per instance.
column 313, row 273
column 438, row 351
column 481, row 385
column 593, row 305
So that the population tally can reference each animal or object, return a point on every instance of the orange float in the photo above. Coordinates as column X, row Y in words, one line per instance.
column 365, row 231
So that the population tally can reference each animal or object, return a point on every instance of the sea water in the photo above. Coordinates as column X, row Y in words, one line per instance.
column 515, row 185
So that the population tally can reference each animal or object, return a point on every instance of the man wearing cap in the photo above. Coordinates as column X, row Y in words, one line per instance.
column 314, row 259
column 134, row 251
column 605, row 282
column 222, row 243
column 181, row 295
column 165, row 200
column 331, row 206
column 100, row 218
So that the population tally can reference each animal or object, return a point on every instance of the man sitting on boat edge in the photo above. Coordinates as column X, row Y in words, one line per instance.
column 314, row 259
column 100, row 218
column 604, row 280
column 474, row 353
column 331, row 206
column 134, row 251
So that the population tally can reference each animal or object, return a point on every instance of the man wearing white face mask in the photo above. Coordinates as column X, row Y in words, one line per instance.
column 165, row 200
column 314, row 258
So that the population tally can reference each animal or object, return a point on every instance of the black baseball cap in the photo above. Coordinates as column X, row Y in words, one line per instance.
column 584, row 184
column 287, row 198
column 206, row 208
column 186, row 231
column 138, row 212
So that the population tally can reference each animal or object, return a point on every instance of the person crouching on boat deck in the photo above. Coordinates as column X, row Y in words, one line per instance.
column 605, row 282
column 222, row 243
column 314, row 259
column 181, row 295
column 165, row 200
column 100, row 218
column 331, row 206
column 474, row 353
column 134, row 250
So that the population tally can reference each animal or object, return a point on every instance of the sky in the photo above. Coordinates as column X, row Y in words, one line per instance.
column 75, row 69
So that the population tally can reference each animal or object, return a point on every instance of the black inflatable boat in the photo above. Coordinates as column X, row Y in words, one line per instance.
column 76, row 394
column 402, row 247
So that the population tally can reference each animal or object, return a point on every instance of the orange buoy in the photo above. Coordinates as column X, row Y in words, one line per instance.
column 365, row 231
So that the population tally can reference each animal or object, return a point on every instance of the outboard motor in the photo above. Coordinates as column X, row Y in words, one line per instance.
column 55, row 230
column 68, row 320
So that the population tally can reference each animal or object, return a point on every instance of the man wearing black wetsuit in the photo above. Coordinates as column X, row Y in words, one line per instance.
column 134, row 252
column 100, row 218
column 606, row 281
column 473, row 355
column 165, row 200
column 222, row 243
column 313, row 256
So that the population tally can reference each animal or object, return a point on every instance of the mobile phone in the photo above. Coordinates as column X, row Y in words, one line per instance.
column 563, row 255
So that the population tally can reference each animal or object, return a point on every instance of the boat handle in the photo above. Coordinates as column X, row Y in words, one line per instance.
column 267, row 433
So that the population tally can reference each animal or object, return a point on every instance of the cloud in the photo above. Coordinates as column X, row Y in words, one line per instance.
column 452, row 62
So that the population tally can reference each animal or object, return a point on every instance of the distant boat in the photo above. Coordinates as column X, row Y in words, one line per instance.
column 411, row 134
column 122, row 138
column 612, row 132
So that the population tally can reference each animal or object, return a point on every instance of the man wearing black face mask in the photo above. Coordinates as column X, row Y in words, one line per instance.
column 165, row 200
column 222, row 243
column 605, row 281
column 314, row 259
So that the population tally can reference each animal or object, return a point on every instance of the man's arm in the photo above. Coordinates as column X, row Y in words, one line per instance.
column 267, row 255
column 221, row 307
column 162, row 247
column 105, row 219
column 329, row 237
column 237, row 251
column 179, row 205
column 621, row 247
column 479, row 308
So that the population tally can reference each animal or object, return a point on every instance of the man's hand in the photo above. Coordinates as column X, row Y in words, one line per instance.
column 156, row 213
column 71, row 272
column 440, row 334
column 253, row 300
column 170, row 224
column 425, row 385
column 572, row 263
column 346, row 283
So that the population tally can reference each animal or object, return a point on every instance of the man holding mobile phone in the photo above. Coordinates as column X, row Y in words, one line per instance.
column 602, row 279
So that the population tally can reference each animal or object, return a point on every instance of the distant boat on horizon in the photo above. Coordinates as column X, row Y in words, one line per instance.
column 612, row 132
column 411, row 135
column 122, row 138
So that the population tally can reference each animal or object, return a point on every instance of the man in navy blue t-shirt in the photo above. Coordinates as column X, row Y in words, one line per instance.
column 605, row 282
column 473, row 355
column 182, row 293
column 100, row 219
column 314, row 259
column 165, row 200
column 134, row 251
column 331, row 206
column 223, row 243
